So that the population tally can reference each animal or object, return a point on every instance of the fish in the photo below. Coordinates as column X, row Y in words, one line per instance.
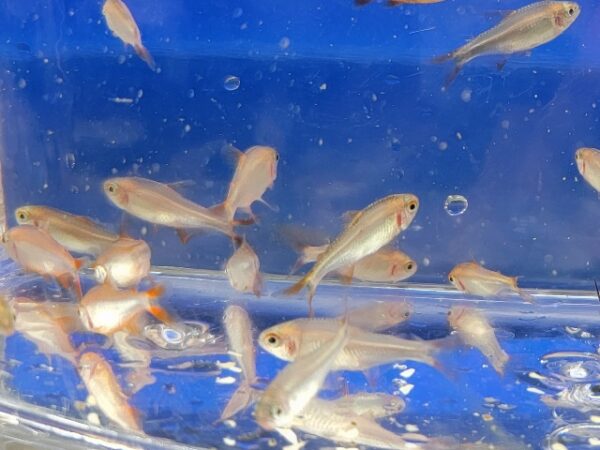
column 324, row 419
column 160, row 204
column 36, row 251
column 238, row 328
column 121, row 23
column 243, row 270
column 106, row 310
column 380, row 316
column 474, row 329
column 101, row 382
column 374, row 405
column 398, row 2
column 136, row 359
column 48, row 325
column 299, row 337
column 298, row 383
column 368, row 231
column 521, row 30
column 471, row 278
column 124, row 264
column 7, row 316
column 78, row 234
column 255, row 172
column 588, row 164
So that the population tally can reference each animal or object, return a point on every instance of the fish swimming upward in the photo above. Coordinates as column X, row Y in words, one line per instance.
column 522, row 30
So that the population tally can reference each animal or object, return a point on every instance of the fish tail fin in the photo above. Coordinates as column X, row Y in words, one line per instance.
column 81, row 263
column 459, row 63
column 70, row 281
column 145, row 55
column 440, row 59
column 241, row 399
column 154, row 293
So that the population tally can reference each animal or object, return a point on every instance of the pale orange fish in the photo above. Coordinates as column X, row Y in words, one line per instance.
column 471, row 278
column 398, row 2
column 475, row 330
column 588, row 164
column 77, row 234
column 243, row 270
column 520, row 31
column 7, row 316
column 122, row 24
column 124, row 264
column 160, row 204
column 36, row 251
column 106, row 310
column 368, row 231
column 299, row 337
column 101, row 382
column 48, row 325
column 380, row 315
column 255, row 172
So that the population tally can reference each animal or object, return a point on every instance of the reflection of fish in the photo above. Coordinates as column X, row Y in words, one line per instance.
column 397, row 2
column 243, row 270
column 298, row 383
column 300, row 337
column 121, row 22
column 373, row 405
column 101, row 382
column 77, row 234
column 380, row 315
column 475, row 330
column 7, row 316
column 160, row 204
column 136, row 359
column 38, row 252
column 522, row 30
column 124, row 264
column 588, row 164
column 368, row 231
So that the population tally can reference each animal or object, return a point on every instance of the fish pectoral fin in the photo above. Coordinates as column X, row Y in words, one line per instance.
column 273, row 208
column 183, row 184
column 500, row 64
column 258, row 285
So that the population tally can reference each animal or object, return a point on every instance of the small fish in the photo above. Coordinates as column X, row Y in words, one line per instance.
column 522, row 30
column 105, row 309
column 77, row 234
column 324, row 419
column 473, row 279
column 7, row 316
column 36, row 251
column 243, row 270
column 374, row 405
column 48, row 325
column 122, row 24
column 588, row 164
column 397, row 2
column 238, row 328
column 298, row 383
column 101, row 382
column 256, row 171
column 160, row 204
column 364, row 350
column 380, row 316
column 124, row 264
column 136, row 359
column 474, row 329
column 368, row 231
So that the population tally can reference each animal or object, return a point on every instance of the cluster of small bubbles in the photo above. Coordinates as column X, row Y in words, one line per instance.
column 70, row 160
column 284, row 43
column 455, row 205
column 231, row 83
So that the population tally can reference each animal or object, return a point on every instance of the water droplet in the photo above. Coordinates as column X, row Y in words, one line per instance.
column 70, row 160
column 465, row 95
column 231, row 83
column 455, row 205
column 21, row 83
column 284, row 43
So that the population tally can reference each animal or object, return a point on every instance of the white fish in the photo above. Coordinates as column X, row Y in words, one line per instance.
column 122, row 24
column 243, row 270
column 124, row 264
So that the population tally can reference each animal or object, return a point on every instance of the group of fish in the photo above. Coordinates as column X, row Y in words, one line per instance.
column 519, row 31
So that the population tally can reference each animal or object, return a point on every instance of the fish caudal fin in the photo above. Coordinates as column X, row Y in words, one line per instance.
column 242, row 398
column 258, row 285
column 296, row 288
column 145, row 55
column 154, row 293
column 70, row 281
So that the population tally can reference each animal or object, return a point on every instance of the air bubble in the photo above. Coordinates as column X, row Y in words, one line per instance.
column 455, row 205
column 70, row 160
column 231, row 83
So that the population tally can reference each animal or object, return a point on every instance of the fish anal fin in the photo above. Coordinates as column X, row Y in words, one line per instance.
column 499, row 13
column 500, row 64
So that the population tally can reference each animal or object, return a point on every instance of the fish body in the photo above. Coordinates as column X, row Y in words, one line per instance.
column 243, row 270
column 122, row 24
column 124, row 264
column 473, row 279
column 588, row 164
column 7, row 316
column 36, row 251
column 368, row 231
column 106, row 310
column 475, row 330
column 522, row 30
column 255, row 172
column 160, row 204
column 374, row 405
column 77, row 234
column 363, row 350
column 380, row 316
column 298, row 383
column 102, row 383
column 383, row 266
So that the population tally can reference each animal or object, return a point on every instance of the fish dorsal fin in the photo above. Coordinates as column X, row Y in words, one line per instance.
column 87, row 221
column 350, row 217
column 232, row 154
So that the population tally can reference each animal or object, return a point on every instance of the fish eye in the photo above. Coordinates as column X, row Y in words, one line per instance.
column 111, row 188
column 406, row 314
column 277, row 411
column 571, row 11
column 409, row 266
column 21, row 215
column 412, row 206
column 273, row 340
column 451, row 279
column 276, row 156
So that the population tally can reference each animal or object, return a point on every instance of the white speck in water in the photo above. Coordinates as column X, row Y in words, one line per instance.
column 231, row 83
column 320, row 142
column 323, row 87
column 191, row 93
column 406, row 389
column 229, row 441
column 455, row 205
column 230, row 423
column 426, row 261
column 70, row 160
column 187, row 128
column 465, row 95
column 407, row 373
column 21, row 83
column 505, row 124
column 412, row 428
column 558, row 446
column 225, row 380
column 443, row 145
column 144, row 231
column 534, row 390
column 284, row 43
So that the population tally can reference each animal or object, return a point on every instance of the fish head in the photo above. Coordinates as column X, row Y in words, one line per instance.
column 24, row 215
column 565, row 13
column 583, row 158
column 281, row 341
column 268, row 157
column 454, row 277
column 406, row 207
column 88, row 364
column 456, row 315
column 272, row 412
column 406, row 269
column 115, row 191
